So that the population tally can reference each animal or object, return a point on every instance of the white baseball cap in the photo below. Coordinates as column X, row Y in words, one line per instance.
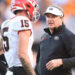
column 55, row 10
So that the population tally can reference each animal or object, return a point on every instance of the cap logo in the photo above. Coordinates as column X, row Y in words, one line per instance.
column 50, row 8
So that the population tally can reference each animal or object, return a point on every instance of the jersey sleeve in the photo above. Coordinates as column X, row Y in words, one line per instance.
column 4, row 24
column 22, row 24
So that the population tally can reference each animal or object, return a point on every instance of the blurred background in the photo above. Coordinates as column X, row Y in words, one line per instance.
column 69, row 18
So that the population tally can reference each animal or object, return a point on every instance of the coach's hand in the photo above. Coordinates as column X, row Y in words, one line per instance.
column 54, row 64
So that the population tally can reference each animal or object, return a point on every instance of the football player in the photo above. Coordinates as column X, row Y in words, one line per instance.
column 18, row 36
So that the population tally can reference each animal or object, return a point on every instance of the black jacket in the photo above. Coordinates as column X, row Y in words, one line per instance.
column 60, row 44
column 3, row 65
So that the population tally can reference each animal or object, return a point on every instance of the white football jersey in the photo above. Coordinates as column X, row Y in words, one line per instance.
column 10, row 30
